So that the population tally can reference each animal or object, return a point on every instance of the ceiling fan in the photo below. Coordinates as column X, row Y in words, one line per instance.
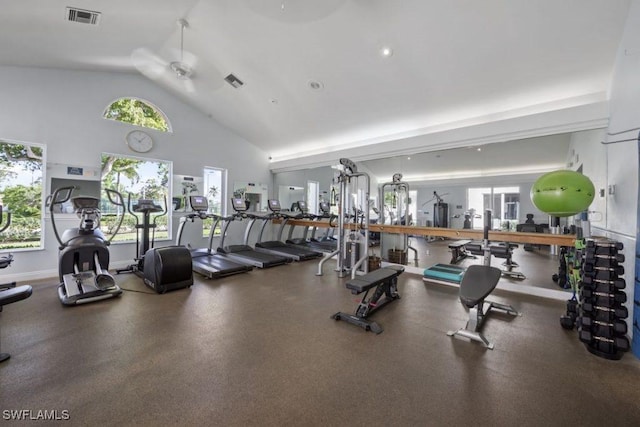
column 179, row 71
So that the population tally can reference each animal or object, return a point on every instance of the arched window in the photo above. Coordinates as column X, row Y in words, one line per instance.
column 138, row 112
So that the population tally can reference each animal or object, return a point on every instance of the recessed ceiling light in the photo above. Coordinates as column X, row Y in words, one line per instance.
column 479, row 148
column 315, row 85
column 409, row 158
column 273, row 100
column 386, row 51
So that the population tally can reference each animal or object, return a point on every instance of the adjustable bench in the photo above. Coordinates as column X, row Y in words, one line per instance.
column 499, row 250
column 477, row 283
column 9, row 295
column 386, row 282
column 458, row 251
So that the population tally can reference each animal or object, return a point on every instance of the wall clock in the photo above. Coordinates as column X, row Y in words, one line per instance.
column 139, row 141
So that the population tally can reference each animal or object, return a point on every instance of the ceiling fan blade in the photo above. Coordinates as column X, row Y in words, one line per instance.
column 148, row 63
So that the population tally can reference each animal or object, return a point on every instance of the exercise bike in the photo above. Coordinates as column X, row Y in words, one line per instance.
column 83, row 260
column 162, row 269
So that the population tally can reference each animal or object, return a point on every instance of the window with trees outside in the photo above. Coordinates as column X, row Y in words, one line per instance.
column 21, row 176
column 135, row 178
column 215, row 180
column 138, row 112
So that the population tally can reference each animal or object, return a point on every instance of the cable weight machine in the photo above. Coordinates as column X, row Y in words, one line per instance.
column 353, row 230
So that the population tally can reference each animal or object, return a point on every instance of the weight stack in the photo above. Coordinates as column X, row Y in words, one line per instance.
column 602, row 322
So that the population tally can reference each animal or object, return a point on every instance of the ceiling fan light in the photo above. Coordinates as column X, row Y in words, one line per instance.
column 181, row 70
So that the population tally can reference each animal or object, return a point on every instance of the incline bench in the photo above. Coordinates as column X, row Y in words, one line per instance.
column 477, row 283
column 386, row 282
column 9, row 296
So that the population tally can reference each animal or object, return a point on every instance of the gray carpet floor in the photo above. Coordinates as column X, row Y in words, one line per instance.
column 260, row 349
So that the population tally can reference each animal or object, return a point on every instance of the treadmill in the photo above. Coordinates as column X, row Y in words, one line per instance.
column 206, row 262
column 277, row 247
column 326, row 243
column 244, row 253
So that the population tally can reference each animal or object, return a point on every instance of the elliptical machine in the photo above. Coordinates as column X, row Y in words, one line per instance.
column 83, row 260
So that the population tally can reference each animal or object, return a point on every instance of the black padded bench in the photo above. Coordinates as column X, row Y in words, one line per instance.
column 477, row 283
column 499, row 250
column 9, row 296
column 458, row 250
column 385, row 280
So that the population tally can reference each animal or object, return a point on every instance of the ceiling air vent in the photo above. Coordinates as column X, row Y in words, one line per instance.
column 233, row 81
column 83, row 16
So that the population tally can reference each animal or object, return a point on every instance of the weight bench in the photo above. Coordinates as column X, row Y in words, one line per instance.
column 477, row 283
column 385, row 281
column 9, row 295
column 501, row 250
column 458, row 251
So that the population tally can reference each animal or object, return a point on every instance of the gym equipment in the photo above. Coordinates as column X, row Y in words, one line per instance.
column 143, row 243
column 477, row 283
column 562, row 193
column 459, row 251
column 498, row 250
column 602, row 327
column 390, row 243
column 353, row 237
column 277, row 247
column 83, row 260
column 385, row 281
column 168, row 268
column 9, row 294
column 444, row 274
column 244, row 253
column 204, row 260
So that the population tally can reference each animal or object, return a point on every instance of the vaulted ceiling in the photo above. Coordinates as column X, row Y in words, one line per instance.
column 315, row 76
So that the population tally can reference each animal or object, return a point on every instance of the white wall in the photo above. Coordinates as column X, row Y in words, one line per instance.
column 63, row 109
column 622, row 158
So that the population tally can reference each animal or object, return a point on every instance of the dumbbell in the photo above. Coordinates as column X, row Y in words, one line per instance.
column 568, row 321
column 605, row 244
column 620, row 343
column 601, row 262
column 620, row 312
column 590, row 267
column 619, row 327
column 603, row 298
column 617, row 283
column 601, row 274
column 591, row 256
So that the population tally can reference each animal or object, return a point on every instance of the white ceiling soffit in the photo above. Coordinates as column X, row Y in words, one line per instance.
column 315, row 81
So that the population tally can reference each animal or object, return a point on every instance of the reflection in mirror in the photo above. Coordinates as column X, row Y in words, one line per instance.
column 255, row 194
column 288, row 195
column 467, row 181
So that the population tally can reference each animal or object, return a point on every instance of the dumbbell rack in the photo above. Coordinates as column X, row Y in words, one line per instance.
column 601, row 325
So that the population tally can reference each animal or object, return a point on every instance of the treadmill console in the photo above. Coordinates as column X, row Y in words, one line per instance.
column 274, row 205
column 238, row 205
column 199, row 203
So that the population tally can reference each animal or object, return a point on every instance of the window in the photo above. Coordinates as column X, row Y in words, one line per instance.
column 215, row 180
column 136, row 178
column 137, row 112
column 21, row 176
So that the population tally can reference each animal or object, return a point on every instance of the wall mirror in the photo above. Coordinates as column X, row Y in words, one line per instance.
column 466, row 181
column 254, row 193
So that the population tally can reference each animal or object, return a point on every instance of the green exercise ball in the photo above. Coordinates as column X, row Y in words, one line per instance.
column 562, row 193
